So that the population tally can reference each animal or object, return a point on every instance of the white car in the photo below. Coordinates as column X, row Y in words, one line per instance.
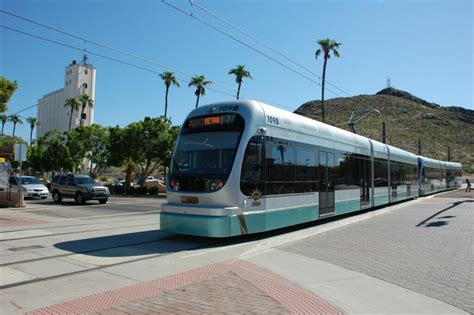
column 30, row 186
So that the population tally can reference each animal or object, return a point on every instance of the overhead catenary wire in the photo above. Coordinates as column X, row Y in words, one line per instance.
column 240, row 30
column 123, row 52
column 245, row 44
column 95, row 54
column 85, row 40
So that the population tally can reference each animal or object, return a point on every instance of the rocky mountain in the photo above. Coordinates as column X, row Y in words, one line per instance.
column 408, row 119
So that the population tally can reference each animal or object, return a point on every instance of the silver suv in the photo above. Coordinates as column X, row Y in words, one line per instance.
column 80, row 187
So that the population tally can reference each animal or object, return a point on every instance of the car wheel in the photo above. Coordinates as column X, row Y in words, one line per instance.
column 57, row 196
column 79, row 198
column 103, row 201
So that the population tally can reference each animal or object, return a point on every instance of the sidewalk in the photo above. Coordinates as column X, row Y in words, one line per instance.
column 263, row 276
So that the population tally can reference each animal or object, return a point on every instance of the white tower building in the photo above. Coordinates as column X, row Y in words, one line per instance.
column 78, row 79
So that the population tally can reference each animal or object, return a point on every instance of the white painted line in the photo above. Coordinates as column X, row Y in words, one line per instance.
column 10, row 275
column 23, row 234
column 111, row 256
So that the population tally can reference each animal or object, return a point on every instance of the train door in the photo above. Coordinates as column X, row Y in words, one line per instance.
column 365, row 179
column 326, row 183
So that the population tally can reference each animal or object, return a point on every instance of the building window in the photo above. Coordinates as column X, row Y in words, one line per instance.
column 66, row 82
column 85, row 71
column 84, row 85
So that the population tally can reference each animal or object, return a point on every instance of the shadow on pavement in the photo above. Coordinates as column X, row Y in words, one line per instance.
column 437, row 224
column 440, row 223
column 131, row 244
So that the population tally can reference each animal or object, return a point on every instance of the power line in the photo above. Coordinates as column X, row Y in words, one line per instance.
column 207, row 11
column 245, row 44
column 123, row 52
column 98, row 55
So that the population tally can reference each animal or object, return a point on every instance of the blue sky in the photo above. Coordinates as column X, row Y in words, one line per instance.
column 425, row 47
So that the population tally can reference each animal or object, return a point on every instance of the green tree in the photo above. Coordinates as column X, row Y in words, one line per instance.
column 33, row 121
column 169, row 79
column 3, row 120
column 200, row 82
column 122, row 148
column 240, row 73
column 74, row 104
column 327, row 46
column 49, row 154
column 85, row 101
column 7, row 88
column 144, row 146
column 15, row 119
column 92, row 143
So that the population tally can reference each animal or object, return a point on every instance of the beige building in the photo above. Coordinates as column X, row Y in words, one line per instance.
column 79, row 79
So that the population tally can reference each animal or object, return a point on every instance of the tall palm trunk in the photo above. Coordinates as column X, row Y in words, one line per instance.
column 322, row 86
column 14, row 127
column 128, row 174
column 3, row 126
column 31, row 136
column 197, row 99
column 166, row 99
column 70, row 118
column 238, row 89
column 82, row 114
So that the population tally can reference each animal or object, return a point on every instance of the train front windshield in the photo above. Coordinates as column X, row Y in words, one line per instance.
column 205, row 153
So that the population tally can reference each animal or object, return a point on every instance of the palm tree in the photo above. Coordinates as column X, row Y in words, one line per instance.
column 85, row 101
column 15, row 119
column 33, row 121
column 169, row 79
column 74, row 104
column 240, row 73
column 3, row 119
column 327, row 46
column 200, row 82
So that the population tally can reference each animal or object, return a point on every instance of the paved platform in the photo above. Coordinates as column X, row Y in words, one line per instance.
column 412, row 258
column 426, row 248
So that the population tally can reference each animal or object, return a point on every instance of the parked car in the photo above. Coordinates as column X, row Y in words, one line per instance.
column 80, row 187
column 30, row 186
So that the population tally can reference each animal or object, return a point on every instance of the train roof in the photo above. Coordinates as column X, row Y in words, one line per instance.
column 429, row 162
column 308, row 126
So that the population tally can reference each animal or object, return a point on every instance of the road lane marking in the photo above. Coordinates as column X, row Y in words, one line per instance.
column 10, row 275
column 4, row 236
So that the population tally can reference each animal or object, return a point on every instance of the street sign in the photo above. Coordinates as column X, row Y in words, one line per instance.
column 20, row 152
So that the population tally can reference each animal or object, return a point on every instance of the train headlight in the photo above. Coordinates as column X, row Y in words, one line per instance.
column 216, row 185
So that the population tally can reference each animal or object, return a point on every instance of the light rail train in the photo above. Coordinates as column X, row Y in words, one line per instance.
column 244, row 167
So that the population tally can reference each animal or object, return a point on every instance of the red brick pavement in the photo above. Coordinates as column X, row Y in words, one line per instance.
column 8, row 220
column 233, row 286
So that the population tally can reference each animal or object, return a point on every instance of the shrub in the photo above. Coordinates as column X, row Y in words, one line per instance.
column 142, row 190
column 153, row 190
column 130, row 190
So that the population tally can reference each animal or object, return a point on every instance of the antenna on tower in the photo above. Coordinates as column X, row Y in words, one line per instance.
column 389, row 83
column 85, row 60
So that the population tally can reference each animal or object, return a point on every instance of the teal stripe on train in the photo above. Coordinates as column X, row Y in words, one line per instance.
column 380, row 199
column 225, row 226
column 347, row 206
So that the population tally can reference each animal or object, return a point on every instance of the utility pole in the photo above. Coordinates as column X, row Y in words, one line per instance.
column 449, row 153
column 419, row 147
column 384, row 133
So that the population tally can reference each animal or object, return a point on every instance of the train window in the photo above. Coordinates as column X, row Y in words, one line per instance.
column 380, row 173
column 341, row 171
column 306, row 165
column 252, row 177
column 280, row 164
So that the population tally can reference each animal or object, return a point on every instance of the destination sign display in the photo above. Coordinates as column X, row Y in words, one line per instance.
column 214, row 120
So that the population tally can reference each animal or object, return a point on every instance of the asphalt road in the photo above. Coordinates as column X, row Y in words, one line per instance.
column 115, row 205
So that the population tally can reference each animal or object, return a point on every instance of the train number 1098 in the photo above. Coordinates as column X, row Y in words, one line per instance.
column 273, row 120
